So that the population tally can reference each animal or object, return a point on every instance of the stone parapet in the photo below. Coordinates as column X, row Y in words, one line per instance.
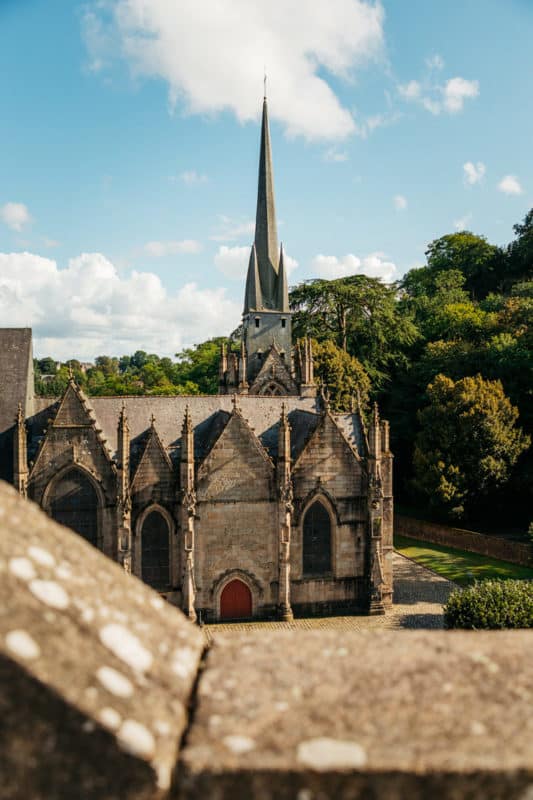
column 104, row 694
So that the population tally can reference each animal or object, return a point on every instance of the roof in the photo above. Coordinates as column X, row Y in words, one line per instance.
column 16, row 372
column 16, row 386
column 209, row 416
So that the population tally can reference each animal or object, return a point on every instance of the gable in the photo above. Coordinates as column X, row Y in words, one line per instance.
column 237, row 467
column 327, row 456
column 72, row 410
column 72, row 437
column 154, row 468
column 273, row 373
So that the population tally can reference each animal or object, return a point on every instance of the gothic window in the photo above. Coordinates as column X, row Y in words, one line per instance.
column 257, row 322
column 155, row 551
column 272, row 390
column 316, row 540
column 74, row 503
column 283, row 323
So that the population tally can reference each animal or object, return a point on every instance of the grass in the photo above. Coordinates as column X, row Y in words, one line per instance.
column 458, row 565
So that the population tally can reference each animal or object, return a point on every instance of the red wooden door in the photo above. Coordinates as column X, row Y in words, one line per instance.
column 235, row 601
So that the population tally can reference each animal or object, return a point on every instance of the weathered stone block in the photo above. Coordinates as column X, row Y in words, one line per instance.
column 96, row 670
column 378, row 715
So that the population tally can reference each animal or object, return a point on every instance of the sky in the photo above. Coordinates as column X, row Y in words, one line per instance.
column 129, row 144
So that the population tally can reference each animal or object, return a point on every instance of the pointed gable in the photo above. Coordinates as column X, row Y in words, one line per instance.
column 329, row 458
column 274, row 377
column 237, row 467
column 154, row 469
column 73, row 438
column 73, row 409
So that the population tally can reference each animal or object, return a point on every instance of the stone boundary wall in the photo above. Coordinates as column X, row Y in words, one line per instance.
column 473, row 542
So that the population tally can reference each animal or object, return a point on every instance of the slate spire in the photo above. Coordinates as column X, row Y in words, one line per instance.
column 266, row 235
column 282, row 299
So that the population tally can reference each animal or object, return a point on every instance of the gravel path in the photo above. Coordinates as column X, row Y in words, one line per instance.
column 419, row 595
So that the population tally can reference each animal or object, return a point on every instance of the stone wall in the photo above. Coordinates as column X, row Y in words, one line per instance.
column 107, row 693
column 472, row 542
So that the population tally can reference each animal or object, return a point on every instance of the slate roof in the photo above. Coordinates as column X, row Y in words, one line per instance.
column 209, row 416
column 15, row 373
column 16, row 379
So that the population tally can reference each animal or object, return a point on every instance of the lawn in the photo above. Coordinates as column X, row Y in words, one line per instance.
column 458, row 565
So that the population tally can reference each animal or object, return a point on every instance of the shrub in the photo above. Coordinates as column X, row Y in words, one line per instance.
column 491, row 604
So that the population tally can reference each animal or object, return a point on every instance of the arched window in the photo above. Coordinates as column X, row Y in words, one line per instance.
column 316, row 540
column 155, row 551
column 272, row 390
column 74, row 503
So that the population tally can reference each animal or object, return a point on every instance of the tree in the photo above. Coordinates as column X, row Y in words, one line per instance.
column 467, row 443
column 358, row 314
column 341, row 375
column 481, row 263
column 47, row 366
column 199, row 365
column 520, row 252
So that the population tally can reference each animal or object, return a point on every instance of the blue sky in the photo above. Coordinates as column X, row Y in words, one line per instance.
column 129, row 138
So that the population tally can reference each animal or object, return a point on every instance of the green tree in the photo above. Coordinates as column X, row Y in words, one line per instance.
column 358, row 314
column 520, row 251
column 343, row 376
column 467, row 443
column 481, row 263
column 199, row 365
column 47, row 366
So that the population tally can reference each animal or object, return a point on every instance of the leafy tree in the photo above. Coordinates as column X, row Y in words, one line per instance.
column 481, row 263
column 467, row 443
column 520, row 251
column 107, row 365
column 199, row 365
column 358, row 314
column 47, row 366
column 341, row 375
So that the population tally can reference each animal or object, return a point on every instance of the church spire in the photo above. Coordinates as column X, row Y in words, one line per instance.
column 266, row 236
column 282, row 298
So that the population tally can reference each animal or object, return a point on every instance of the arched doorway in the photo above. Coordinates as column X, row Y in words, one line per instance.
column 155, row 551
column 316, row 540
column 74, row 503
column 235, row 601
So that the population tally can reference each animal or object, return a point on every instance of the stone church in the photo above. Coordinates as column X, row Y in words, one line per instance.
column 258, row 502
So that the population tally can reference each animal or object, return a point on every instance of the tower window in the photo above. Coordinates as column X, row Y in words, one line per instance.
column 257, row 322
column 283, row 323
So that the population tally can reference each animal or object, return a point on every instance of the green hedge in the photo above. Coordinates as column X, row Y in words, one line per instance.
column 491, row 604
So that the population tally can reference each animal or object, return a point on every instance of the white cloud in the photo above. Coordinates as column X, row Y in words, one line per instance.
column 435, row 62
column 212, row 55
column 88, row 308
column 400, row 202
column 436, row 98
column 374, row 265
column 160, row 249
column 473, row 173
column 510, row 185
column 411, row 90
column 15, row 215
column 190, row 177
column 335, row 156
column 364, row 126
column 233, row 261
column 51, row 242
column 462, row 223
column 456, row 91
column 230, row 230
